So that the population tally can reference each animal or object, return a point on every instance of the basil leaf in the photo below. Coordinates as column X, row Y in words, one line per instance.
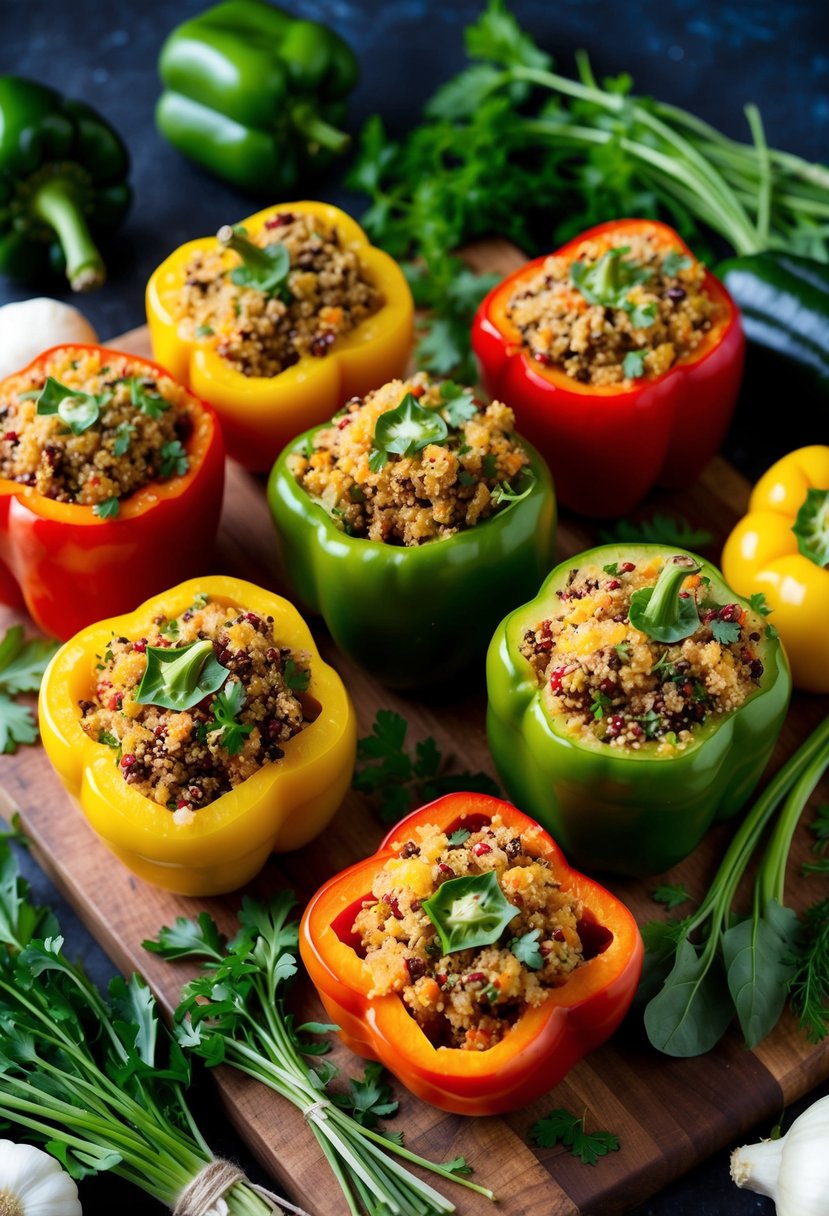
column 179, row 677
column 78, row 410
column 407, row 429
column 264, row 269
column 608, row 281
column 469, row 911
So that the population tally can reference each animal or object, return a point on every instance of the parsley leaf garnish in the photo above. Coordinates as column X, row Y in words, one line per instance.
column 457, row 838
column 661, row 529
column 108, row 509
column 600, row 702
column 725, row 632
column 174, row 460
column 388, row 772
column 670, row 894
column 633, row 364
column 504, row 493
column 458, row 403
column 226, row 706
column 757, row 603
column 297, row 678
column 526, row 950
column 22, row 664
column 123, row 434
column 673, row 262
column 562, row 1127
column 369, row 1099
column 144, row 396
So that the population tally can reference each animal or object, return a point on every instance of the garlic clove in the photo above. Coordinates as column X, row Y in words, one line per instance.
column 29, row 327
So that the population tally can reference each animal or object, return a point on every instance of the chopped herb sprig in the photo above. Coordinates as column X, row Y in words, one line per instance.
column 22, row 664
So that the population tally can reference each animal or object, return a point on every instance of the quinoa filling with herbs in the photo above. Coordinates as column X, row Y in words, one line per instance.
column 614, row 685
column 414, row 461
column 468, row 998
column 627, row 307
column 322, row 295
column 184, row 759
column 84, row 431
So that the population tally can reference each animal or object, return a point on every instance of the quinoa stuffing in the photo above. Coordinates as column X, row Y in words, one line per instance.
column 615, row 686
column 84, row 428
column 468, row 998
column 184, row 759
column 414, row 461
column 323, row 295
column 626, row 307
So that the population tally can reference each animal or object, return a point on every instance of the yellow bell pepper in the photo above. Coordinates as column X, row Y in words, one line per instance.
column 261, row 414
column 282, row 806
column 765, row 554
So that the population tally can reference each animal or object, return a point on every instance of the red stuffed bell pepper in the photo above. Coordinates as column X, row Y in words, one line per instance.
column 111, row 479
column 404, row 944
column 621, row 356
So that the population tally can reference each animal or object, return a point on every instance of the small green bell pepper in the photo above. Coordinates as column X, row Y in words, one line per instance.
column 634, row 812
column 254, row 95
column 63, row 173
column 412, row 615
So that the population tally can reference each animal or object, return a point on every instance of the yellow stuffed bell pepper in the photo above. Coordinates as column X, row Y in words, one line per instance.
column 781, row 549
column 159, row 787
column 220, row 313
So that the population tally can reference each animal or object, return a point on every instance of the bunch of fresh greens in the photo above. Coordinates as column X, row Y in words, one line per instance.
column 22, row 664
column 234, row 1013
column 400, row 781
column 701, row 970
column 98, row 1083
column 512, row 147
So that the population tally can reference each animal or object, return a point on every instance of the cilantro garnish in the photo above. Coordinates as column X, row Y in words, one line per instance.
column 123, row 434
column 757, row 603
column 526, row 950
column 458, row 403
column 725, row 632
column 612, row 569
column 109, row 739
column 670, row 894
column 78, row 410
column 600, row 703
column 22, row 664
column 457, row 838
column 174, row 460
column 297, row 678
column 561, row 1127
column 633, row 364
column 108, row 509
column 388, row 772
column 504, row 493
column 405, row 430
column 144, row 396
column 226, row 707
column 369, row 1099
column 673, row 262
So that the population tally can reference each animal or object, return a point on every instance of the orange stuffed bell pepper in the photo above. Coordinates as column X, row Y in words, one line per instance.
column 469, row 958
column 622, row 359
column 111, row 479
column 200, row 733
column 780, row 549
column 251, row 321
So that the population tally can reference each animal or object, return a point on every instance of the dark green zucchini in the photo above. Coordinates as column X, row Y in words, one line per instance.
column 784, row 301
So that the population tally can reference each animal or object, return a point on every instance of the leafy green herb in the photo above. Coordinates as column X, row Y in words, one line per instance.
column 600, row 702
column 458, row 1165
column 811, row 527
column 672, row 895
column 612, row 569
column 504, row 493
column 562, row 1127
column 459, row 404
column 173, row 460
column 204, row 331
column 78, row 410
column 22, row 664
column 809, row 983
column 526, row 950
column 661, row 611
column 467, row 479
column 264, row 268
column 405, row 430
column 713, row 964
column 457, row 838
column 469, row 911
column 771, row 633
column 234, row 1013
column 725, row 632
column 608, row 282
column 633, row 364
column 388, row 772
column 123, row 435
column 297, row 678
column 180, row 677
column 226, row 708
column 97, row 1082
column 623, row 651
column 200, row 600
column 650, row 723
column 819, row 827
column 145, row 396
column 170, row 628
column 757, row 603
column 673, row 262
column 659, row 529
column 108, row 509
column 109, row 739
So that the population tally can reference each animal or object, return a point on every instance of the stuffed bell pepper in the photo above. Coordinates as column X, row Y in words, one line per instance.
column 780, row 551
column 411, row 522
column 632, row 703
column 622, row 358
column 200, row 733
column 278, row 321
column 469, row 958
column 111, row 478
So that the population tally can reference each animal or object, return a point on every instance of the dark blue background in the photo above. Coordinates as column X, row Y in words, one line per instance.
column 709, row 58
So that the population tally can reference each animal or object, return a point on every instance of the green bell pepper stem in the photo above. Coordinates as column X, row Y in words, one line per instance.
column 663, row 606
column 55, row 202
column 317, row 131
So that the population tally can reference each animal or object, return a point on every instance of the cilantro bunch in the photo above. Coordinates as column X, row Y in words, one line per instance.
column 22, row 664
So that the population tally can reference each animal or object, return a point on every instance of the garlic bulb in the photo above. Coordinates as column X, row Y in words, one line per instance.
column 33, row 1184
column 31, row 326
column 794, row 1170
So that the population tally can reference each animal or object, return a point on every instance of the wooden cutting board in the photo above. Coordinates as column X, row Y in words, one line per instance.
column 668, row 1114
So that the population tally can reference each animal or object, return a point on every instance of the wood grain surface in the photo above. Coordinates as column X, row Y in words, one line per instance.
column 668, row 1114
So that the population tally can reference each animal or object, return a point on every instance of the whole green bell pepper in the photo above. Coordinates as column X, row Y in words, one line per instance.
column 634, row 812
column 63, row 173
column 253, row 94
column 412, row 615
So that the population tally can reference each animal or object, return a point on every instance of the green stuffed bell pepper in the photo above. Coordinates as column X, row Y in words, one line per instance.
column 411, row 523
column 63, row 174
column 255, row 95
column 635, row 701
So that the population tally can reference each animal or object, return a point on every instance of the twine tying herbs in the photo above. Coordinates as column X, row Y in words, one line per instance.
column 213, row 1181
